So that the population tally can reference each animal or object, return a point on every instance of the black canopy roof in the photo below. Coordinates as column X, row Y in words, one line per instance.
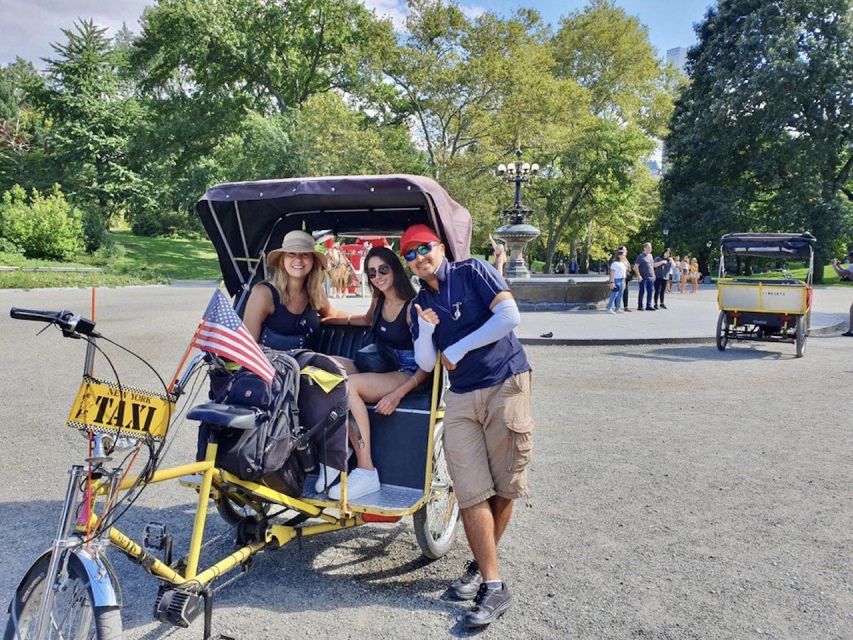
column 245, row 220
column 769, row 245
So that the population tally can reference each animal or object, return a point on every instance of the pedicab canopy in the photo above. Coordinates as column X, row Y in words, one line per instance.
column 769, row 245
column 245, row 220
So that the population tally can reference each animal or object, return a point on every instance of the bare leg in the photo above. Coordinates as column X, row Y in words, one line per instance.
column 479, row 526
column 369, row 387
column 501, row 512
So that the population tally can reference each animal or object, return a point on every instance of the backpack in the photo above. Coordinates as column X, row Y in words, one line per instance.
column 298, row 424
column 254, row 453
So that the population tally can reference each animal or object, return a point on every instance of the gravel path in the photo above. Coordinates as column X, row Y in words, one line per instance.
column 679, row 492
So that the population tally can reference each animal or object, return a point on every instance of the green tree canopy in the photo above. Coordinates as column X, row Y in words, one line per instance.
column 762, row 138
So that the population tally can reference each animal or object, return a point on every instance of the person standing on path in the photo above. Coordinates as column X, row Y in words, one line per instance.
column 644, row 269
column 622, row 254
column 500, row 254
column 845, row 274
column 617, row 283
column 663, row 271
column 465, row 310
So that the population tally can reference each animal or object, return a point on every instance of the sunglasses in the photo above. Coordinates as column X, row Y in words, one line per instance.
column 420, row 250
column 382, row 269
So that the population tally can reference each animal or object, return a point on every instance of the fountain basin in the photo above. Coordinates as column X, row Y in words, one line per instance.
column 560, row 292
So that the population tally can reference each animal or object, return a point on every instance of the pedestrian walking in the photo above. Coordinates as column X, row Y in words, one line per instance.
column 644, row 270
column 617, row 283
column 694, row 275
column 465, row 310
column 675, row 281
column 622, row 252
column 663, row 272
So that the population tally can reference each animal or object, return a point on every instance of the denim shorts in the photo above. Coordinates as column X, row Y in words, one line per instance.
column 407, row 361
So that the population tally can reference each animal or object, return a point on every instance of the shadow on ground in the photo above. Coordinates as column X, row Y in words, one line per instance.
column 361, row 566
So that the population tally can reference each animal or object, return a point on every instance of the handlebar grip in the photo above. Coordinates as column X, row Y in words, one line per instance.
column 38, row 316
column 68, row 321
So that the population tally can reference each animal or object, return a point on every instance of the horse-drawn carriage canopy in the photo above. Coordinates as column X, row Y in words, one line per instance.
column 245, row 220
column 768, row 245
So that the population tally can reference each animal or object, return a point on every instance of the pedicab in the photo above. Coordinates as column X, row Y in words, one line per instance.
column 72, row 589
column 773, row 308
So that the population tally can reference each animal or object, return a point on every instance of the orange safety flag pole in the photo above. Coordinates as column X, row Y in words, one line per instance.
column 183, row 361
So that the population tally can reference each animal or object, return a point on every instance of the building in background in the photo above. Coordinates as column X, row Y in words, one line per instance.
column 677, row 57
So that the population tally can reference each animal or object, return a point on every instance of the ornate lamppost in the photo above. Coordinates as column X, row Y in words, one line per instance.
column 515, row 232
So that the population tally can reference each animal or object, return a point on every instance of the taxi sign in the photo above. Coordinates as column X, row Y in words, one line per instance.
column 104, row 407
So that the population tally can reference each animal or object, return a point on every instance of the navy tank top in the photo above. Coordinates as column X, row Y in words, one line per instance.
column 286, row 323
column 396, row 333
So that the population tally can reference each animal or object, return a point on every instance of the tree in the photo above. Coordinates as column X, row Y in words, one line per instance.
column 270, row 56
column 90, row 122
column 450, row 75
column 762, row 138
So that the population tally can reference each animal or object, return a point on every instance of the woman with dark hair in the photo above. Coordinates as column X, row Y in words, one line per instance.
column 389, row 318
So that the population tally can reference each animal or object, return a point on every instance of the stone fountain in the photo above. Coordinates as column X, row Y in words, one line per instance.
column 546, row 291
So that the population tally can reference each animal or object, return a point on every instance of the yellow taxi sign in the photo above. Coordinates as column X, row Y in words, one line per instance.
column 105, row 407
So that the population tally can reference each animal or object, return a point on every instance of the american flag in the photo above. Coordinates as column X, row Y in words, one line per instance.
column 222, row 332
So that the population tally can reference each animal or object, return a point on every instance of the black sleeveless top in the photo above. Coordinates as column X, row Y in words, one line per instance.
column 395, row 334
column 286, row 323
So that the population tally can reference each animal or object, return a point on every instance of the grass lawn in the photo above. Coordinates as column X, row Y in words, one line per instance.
column 136, row 260
column 171, row 258
column 829, row 275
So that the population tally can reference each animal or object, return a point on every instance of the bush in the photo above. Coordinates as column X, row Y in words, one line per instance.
column 44, row 226
column 95, row 232
column 155, row 222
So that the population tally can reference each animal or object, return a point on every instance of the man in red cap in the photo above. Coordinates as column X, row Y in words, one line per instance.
column 465, row 310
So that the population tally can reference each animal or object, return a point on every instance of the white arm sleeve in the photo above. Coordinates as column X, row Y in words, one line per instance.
column 505, row 318
column 425, row 352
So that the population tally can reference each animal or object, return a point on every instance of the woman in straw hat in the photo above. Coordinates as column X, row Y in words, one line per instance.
column 292, row 301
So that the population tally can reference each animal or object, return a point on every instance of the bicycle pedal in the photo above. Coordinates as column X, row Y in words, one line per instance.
column 157, row 541
column 176, row 606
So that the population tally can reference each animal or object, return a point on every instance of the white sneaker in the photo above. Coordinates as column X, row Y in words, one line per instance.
column 611, row 312
column 360, row 482
column 620, row 310
column 325, row 477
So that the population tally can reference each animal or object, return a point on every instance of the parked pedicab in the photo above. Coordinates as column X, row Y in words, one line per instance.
column 72, row 589
column 768, row 309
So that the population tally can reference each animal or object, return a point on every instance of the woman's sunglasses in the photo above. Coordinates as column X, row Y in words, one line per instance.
column 382, row 269
column 420, row 250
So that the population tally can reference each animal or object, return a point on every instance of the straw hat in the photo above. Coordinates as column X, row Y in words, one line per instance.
column 297, row 242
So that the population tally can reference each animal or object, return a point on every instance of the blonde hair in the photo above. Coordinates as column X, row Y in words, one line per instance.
column 313, row 283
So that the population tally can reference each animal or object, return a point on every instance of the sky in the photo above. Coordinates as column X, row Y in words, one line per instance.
column 29, row 26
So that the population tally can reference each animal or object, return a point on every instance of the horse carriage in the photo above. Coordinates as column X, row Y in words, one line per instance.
column 72, row 589
column 774, row 308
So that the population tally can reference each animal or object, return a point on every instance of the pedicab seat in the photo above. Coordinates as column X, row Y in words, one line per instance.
column 398, row 442
column 225, row 415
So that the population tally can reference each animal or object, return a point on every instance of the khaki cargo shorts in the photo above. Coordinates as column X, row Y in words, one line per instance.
column 488, row 440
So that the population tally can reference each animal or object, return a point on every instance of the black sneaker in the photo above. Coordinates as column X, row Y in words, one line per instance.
column 655, row 307
column 651, row 308
column 662, row 305
column 490, row 604
column 639, row 308
column 466, row 587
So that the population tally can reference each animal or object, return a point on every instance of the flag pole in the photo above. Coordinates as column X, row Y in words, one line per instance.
column 183, row 360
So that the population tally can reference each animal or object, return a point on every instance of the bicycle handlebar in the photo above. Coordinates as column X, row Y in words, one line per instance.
column 72, row 324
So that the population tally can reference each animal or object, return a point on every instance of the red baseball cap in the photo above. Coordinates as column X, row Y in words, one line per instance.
column 415, row 235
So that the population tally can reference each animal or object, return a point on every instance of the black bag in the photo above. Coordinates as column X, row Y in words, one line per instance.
column 282, row 341
column 254, row 453
column 376, row 358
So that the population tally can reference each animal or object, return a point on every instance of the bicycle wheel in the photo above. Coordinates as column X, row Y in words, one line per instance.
column 722, row 331
column 234, row 508
column 74, row 614
column 435, row 522
column 802, row 334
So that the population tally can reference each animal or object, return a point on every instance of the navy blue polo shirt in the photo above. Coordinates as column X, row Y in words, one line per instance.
column 465, row 292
